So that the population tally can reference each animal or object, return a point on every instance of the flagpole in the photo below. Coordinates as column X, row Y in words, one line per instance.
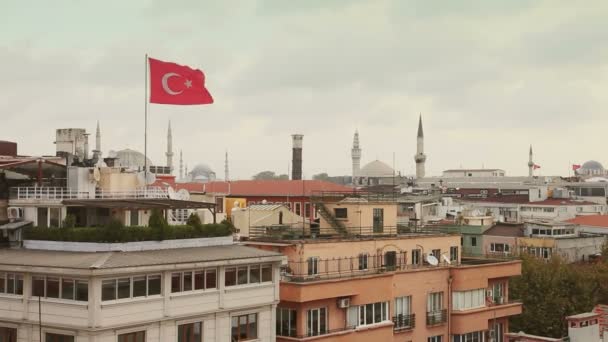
column 146, row 120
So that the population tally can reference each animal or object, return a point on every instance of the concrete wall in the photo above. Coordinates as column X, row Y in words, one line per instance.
column 112, row 179
column 242, row 219
column 361, row 214
column 579, row 249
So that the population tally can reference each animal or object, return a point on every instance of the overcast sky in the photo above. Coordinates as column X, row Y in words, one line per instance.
column 489, row 77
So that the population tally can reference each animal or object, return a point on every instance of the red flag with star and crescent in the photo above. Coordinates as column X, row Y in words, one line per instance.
column 175, row 84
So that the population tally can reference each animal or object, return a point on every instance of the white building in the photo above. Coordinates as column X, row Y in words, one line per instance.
column 463, row 173
column 221, row 292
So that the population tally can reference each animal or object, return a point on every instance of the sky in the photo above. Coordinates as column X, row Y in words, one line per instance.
column 490, row 78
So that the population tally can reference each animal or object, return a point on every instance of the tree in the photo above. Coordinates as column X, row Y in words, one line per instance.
column 321, row 176
column 269, row 175
column 159, row 224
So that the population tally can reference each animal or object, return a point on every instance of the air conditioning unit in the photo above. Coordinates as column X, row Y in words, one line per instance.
column 343, row 303
column 15, row 213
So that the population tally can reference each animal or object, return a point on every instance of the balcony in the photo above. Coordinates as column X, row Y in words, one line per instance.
column 437, row 317
column 404, row 322
column 59, row 194
column 321, row 334
column 465, row 321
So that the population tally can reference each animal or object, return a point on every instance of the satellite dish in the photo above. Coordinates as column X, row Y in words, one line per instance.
column 432, row 260
column 183, row 194
column 150, row 178
column 172, row 193
column 446, row 259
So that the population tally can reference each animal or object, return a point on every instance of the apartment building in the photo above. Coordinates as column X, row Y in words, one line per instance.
column 217, row 292
column 379, row 284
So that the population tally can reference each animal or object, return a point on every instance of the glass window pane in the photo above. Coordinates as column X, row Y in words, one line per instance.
column 10, row 283
column 82, row 290
column 243, row 327
column 199, row 280
column 108, row 289
column 139, row 286
column 154, row 284
column 234, row 322
column 252, row 331
column 176, row 282
column 19, row 284
column 369, row 314
column 67, row 288
column 37, row 286
column 322, row 321
column 187, row 281
column 52, row 287
column 124, row 288
column 210, row 279
column 230, row 276
column 2, row 282
column 254, row 274
column 266, row 273
column 242, row 275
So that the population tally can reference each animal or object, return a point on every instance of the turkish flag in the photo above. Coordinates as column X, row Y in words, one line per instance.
column 575, row 167
column 536, row 166
column 176, row 84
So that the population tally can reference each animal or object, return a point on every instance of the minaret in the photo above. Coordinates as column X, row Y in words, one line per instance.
column 181, row 165
column 296, row 159
column 226, row 174
column 169, row 152
column 97, row 150
column 531, row 163
column 355, row 153
column 420, row 157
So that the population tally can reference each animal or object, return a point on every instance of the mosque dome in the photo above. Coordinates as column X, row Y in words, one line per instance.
column 592, row 165
column 376, row 169
column 130, row 159
column 202, row 173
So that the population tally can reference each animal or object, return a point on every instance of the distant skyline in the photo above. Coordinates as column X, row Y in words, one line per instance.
column 490, row 79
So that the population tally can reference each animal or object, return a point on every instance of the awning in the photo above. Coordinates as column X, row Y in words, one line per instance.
column 15, row 225
column 134, row 204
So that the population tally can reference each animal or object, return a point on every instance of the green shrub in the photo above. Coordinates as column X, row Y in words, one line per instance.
column 194, row 221
column 69, row 221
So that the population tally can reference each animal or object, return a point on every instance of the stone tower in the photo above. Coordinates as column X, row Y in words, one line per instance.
column 169, row 152
column 97, row 150
column 226, row 170
column 356, row 155
column 420, row 157
column 296, row 159
column 531, row 163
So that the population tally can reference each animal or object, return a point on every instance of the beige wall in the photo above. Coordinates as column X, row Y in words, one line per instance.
column 114, row 180
column 361, row 214
column 244, row 218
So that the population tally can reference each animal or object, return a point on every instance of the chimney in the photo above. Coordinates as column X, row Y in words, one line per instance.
column 296, row 157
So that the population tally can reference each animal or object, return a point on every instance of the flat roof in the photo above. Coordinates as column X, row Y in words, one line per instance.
column 583, row 315
column 110, row 260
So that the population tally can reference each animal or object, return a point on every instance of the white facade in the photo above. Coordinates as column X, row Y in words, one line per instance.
column 102, row 318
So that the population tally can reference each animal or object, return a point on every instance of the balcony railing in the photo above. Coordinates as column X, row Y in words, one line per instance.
column 321, row 332
column 436, row 317
column 57, row 193
column 404, row 322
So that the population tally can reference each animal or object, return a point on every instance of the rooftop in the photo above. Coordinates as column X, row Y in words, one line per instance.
column 263, row 187
column 591, row 220
column 111, row 260
column 523, row 199
column 502, row 229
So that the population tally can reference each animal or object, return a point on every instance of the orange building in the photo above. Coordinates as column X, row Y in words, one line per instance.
column 381, row 289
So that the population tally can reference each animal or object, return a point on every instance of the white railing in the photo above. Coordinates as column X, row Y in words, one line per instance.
column 58, row 193
column 46, row 193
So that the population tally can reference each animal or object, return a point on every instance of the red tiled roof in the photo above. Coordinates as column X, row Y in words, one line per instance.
column 501, row 229
column 264, row 187
column 591, row 220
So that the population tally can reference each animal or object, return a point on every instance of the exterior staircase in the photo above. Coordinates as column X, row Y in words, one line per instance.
column 331, row 219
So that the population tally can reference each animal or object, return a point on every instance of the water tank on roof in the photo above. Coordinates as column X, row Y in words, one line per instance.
column 8, row 148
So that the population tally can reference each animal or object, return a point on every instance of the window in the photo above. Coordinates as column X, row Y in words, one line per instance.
column 497, row 332
column 378, row 220
column 313, row 265
column 316, row 322
column 8, row 334
column 286, row 322
column 193, row 280
column 241, row 275
column 306, row 209
column 137, row 336
column 341, row 213
column 219, row 204
column 465, row 300
column 48, row 337
column 434, row 302
column 11, row 283
column 363, row 261
column 244, row 327
column 473, row 241
column 454, row 253
column 298, row 208
column 367, row 314
column 497, row 292
column 436, row 253
column 58, row 287
column 191, row 332
column 131, row 287
column 403, row 313
column 500, row 248
column 134, row 217
column 416, row 257
column 477, row 336
column 435, row 339
column 390, row 260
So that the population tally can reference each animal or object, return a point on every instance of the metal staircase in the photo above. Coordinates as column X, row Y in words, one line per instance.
column 336, row 224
